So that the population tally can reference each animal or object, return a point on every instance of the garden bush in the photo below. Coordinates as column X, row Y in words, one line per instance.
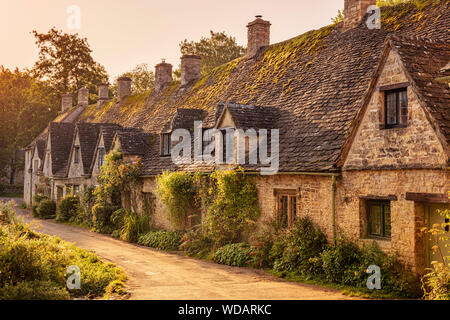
column 178, row 192
column 436, row 283
column 197, row 244
column 341, row 262
column 134, row 225
column 117, row 218
column 298, row 249
column 67, row 209
column 33, row 266
column 46, row 209
column 163, row 240
column 101, row 217
column 233, row 210
column 236, row 255
column 261, row 246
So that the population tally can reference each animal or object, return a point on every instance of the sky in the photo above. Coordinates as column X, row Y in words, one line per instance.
column 123, row 34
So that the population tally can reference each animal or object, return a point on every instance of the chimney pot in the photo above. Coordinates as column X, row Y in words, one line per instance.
column 258, row 35
column 83, row 97
column 191, row 66
column 354, row 12
column 103, row 93
column 163, row 75
column 123, row 88
column 66, row 102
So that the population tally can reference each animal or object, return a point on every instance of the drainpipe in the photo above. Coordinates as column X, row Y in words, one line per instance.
column 333, row 207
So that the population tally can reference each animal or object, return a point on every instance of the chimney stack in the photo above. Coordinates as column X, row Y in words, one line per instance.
column 83, row 97
column 354, row 12
column 163, row 75
column 66, row 102
column 123, row 88
column 103, row 93
column 191, row 66
column 258, row 35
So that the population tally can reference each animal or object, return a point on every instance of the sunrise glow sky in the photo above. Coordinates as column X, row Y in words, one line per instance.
column 123, row 34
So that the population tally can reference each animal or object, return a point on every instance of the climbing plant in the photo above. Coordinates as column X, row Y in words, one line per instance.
column 115, row 177
column 234, row 206
column 178, row 191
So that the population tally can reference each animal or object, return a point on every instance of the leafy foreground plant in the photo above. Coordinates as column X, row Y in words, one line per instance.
column 33, row 265
column 163, row 240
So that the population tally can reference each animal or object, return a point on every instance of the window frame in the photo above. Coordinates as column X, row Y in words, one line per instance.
column 101, row 157
column 384, row 235
column 401, row 110
column 166, row 145
column 76, row 156
column 292, row 203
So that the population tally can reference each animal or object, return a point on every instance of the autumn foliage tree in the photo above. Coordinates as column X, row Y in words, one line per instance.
column 26, row 106
column 65, row 61
column 219, row 48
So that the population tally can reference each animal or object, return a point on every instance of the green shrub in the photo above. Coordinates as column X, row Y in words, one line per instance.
column 341, row 262
column 236, row 255
column 197, row 244
column 67, row 209
column 6, row 212
column 33, row 290
column 117, row 218
column 37, row 198
column 233, row 211
column 297, row 249
column 261, row 246
column 101, row 217
column 178, row 192
column 163, row 240
column 46, row 209
column 133, row 226
column 33, row 266
column 436, row 283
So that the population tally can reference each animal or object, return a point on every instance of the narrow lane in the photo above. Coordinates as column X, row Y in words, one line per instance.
column 169, row 276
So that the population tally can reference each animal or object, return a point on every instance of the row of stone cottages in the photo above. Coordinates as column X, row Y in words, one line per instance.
column 363, row 115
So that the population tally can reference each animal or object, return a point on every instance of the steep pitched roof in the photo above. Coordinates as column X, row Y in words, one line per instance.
column 317, row 80
column 183, row 119
column 88, row 134
column 61, row 135
column 251, row 117
column 423, row 61
column 134, row 142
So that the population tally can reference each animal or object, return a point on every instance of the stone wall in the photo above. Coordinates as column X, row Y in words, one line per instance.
column 414, row 146
column 354, row 11
column 407, row 217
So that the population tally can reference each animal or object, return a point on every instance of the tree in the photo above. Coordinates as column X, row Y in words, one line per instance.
column 142, row 79
column 26, row 106
column 216, row 50
column 65, row 61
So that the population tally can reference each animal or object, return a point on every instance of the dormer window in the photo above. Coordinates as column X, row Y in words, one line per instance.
column 101, row 157
column 76, row 157
column 395, row 108
column 165, row 144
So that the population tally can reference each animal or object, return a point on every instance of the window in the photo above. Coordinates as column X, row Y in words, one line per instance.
column 101, row 157
column 378, row 219
column 36, row 165
column 76, row 157
column 287, row 207
column 165, row 144
column 76, row 190
column 396, row 108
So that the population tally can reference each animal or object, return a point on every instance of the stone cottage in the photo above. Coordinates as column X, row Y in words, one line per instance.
column 363, row 117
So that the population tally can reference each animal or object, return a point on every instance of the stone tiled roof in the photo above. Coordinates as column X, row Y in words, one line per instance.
column 88, row 134
column 248, row 116
column 61, row 136
column 134, row 142
column 183, row 119
column 425, row 61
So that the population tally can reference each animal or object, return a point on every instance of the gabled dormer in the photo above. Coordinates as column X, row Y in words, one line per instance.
column 133, row 144
column 182, row 119
column 405, row 120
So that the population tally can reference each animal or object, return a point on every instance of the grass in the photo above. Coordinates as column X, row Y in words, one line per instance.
column 34, row 266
